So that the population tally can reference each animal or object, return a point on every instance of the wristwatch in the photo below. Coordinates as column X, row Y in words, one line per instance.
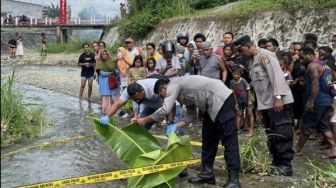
column 277, row 97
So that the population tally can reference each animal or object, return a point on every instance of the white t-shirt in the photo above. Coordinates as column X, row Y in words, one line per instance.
column 161, row 64
column 151, row 99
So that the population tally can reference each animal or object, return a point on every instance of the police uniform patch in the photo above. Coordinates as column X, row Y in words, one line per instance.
column 265, row 59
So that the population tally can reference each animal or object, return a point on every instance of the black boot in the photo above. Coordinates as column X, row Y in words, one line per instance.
column 282, row 170
column 206, row 176
column 233, row 181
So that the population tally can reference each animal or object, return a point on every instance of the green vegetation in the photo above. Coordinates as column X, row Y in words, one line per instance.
column 73, row 46
column 17, row 120
column 145, row 15
column 254, row 154
column 322, row 177
column 246, row 8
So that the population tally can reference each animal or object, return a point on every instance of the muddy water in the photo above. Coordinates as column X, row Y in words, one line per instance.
column 91, row 156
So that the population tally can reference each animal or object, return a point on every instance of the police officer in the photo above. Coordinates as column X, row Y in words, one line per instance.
column 219, row 123
column 274, row 100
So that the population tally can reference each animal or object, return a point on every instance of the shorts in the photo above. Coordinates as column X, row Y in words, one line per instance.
column 12, row 50
column 316, row 120
column 244, row 106
column 87, row 78
column 115, row 91
column 44, row 46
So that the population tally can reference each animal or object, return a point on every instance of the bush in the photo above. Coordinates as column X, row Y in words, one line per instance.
column 17, row 121
column 73, row 46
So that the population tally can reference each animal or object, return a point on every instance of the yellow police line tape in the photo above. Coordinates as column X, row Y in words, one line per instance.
column 114, row 175
column 64, row 141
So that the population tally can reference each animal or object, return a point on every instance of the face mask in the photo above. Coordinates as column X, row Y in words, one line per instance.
column 179, row 55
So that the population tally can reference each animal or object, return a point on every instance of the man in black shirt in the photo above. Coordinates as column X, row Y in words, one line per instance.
column 88, row 63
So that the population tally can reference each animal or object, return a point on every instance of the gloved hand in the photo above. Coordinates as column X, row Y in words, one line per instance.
column 104, row 120
column 170, row 128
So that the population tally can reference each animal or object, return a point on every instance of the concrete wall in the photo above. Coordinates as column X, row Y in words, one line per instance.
column 18, row 8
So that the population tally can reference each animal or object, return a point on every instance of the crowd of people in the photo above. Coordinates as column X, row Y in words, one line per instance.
column 230, row 88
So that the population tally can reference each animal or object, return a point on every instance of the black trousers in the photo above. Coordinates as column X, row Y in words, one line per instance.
column 279, row 130
column 225, row 129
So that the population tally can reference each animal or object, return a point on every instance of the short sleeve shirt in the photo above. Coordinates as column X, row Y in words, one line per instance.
column 240, row 90
column 162, row 64
column 87, row 58
column 151, row 100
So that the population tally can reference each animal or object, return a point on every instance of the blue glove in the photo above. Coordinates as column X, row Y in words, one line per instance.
column 104, row 120
column 171, row 128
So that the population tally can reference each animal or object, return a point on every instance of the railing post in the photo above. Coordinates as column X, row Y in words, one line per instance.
column 76, row 21
column 91, row 21
column 16, row 21
column 2, row 20
column 46, row 21
column 49, row 21
column 35, row 21
column 94, row 20
column 79, row 20
column 31, row 21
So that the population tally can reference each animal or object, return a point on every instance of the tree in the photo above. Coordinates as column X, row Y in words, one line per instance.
column 51, row 11
column 87, row 13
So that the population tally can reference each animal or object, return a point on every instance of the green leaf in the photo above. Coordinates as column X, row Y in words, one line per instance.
column 178, row 149
column 129, row 142
column 136, row 147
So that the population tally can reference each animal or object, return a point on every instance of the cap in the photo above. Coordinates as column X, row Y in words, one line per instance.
column 206, row 44
column 129, row 40
column 180, row 49
column 241, row 41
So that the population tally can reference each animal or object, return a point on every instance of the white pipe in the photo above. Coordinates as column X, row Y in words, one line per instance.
column 16, row 21
column 91, row 20
column 2, row 20
column 46, row 21
column 76, row 21
column 31, row 21
column 79, row 20
column 35, row 21
column 49, row 21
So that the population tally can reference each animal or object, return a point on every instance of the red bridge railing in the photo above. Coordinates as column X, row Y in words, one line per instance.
column 18, row 21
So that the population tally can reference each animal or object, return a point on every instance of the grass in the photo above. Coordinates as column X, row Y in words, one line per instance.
column 247, row 8
column 254, row 154
column 73, row 46
column 17, row 120
column 322, row 177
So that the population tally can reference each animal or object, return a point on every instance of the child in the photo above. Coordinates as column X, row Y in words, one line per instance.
column 137, row 71
column 243, row 97
column 284, row 62
column 151, row 63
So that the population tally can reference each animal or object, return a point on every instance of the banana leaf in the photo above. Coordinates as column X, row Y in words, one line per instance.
column 127, row 143
column 178, row 149
column 136, row 147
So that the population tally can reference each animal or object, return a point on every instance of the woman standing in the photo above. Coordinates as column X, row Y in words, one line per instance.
column 19, row 48
column 107, row 68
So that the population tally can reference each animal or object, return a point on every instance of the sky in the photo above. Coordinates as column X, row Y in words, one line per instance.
column 110, row 8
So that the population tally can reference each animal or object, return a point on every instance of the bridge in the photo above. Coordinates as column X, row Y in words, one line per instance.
column 61, row 29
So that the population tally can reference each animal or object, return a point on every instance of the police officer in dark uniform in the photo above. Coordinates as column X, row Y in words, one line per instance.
column 274, row 100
